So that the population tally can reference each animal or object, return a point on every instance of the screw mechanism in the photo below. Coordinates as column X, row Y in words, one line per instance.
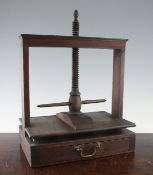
column 74, row 102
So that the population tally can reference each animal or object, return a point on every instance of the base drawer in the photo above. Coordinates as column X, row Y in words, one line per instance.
column 42, row 154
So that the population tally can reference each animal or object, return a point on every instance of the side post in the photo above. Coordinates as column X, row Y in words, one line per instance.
column 118, row 82
column 25, row 86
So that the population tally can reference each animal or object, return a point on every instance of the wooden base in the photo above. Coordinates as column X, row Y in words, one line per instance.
column 52, row 126
column 49, row 151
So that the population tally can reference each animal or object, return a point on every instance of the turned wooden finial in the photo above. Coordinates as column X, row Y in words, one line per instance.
column 75, row 24
column 76, row 14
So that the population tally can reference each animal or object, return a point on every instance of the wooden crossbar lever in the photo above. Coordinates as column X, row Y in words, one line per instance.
column 68, row 103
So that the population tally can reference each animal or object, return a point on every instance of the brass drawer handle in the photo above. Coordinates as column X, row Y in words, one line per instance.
column 80, row 149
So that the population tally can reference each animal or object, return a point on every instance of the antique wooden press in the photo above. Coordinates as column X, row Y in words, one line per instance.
column 74, row 135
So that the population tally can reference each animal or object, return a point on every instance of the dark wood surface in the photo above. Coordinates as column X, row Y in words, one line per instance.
column 46, row 126
column 25, row 87
column 13, row 161
column 49, row 151
column 71, row 41
column 118, row 83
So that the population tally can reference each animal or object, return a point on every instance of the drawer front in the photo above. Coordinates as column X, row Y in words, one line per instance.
column 58, row 154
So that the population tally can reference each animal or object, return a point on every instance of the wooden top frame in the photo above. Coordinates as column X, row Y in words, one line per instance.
column 118, row 45
column 71, row 41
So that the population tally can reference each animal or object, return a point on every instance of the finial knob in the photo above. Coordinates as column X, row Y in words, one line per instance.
column 76, row 14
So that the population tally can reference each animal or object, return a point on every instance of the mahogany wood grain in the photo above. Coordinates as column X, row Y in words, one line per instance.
column 25, row 86
column 48, row 152
column 73, row 42
column 13, row 161
column 118, row 83
column 51, row 126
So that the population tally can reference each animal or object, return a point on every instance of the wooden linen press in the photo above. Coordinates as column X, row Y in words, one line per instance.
column 72, row 136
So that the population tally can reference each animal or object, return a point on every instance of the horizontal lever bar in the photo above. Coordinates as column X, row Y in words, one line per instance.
column 53, row 104
column 93, row 101
column 68, row 103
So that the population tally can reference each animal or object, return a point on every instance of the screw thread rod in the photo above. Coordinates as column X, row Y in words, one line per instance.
column 75, row 100
column 75, row 56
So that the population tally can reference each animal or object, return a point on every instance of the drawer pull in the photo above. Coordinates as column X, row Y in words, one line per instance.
column 81, row 148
